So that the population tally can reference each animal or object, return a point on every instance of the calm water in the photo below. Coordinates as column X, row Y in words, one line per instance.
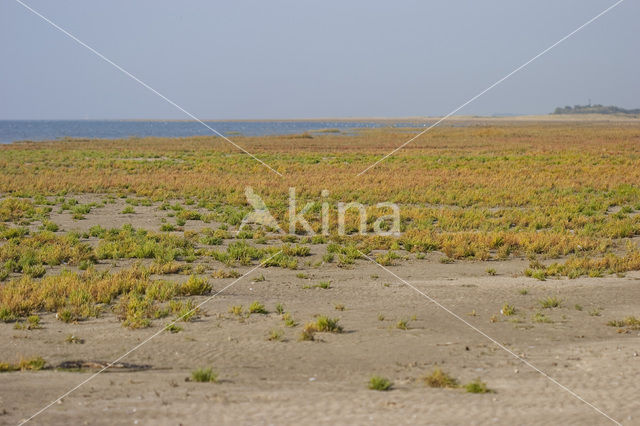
column 38, row 130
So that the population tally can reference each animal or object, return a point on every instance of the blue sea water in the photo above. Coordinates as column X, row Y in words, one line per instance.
column 39, row 130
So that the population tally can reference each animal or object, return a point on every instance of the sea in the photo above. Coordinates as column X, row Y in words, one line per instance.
column 43, row 130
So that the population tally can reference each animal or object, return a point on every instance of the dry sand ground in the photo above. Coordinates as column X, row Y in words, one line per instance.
column 325, row 381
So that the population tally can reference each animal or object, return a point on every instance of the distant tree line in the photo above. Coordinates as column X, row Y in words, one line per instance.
column 595, row 109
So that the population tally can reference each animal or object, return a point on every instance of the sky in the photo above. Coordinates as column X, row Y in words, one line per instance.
column 313, row 59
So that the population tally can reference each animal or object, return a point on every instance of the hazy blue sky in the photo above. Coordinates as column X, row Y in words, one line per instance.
column 300, row 59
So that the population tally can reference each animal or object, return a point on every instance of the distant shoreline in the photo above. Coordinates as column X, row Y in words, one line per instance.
column 41, row 130
column 533, row 117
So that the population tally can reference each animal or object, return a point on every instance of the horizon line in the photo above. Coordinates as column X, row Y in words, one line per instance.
column 354, row 118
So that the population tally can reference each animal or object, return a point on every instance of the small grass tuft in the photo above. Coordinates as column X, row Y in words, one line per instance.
column 328, row 325
column 236, row 310
column 440, row 379
column 539, row 274
column 32, row 364
column 324, row 285
column 204, row 375
column 380, row 383
column 195, row 286
column 631, row 323
column 308, row 332
column 402, row 324
column 288, row 320
column 257, row 308
column 477, row 386
column 275, row 335
column 73, row 339
column 550, row 302
column 172, row 328
column 508, row 310
column 221, row 273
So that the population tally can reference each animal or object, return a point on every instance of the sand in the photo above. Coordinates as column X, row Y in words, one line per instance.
column 325, row 381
